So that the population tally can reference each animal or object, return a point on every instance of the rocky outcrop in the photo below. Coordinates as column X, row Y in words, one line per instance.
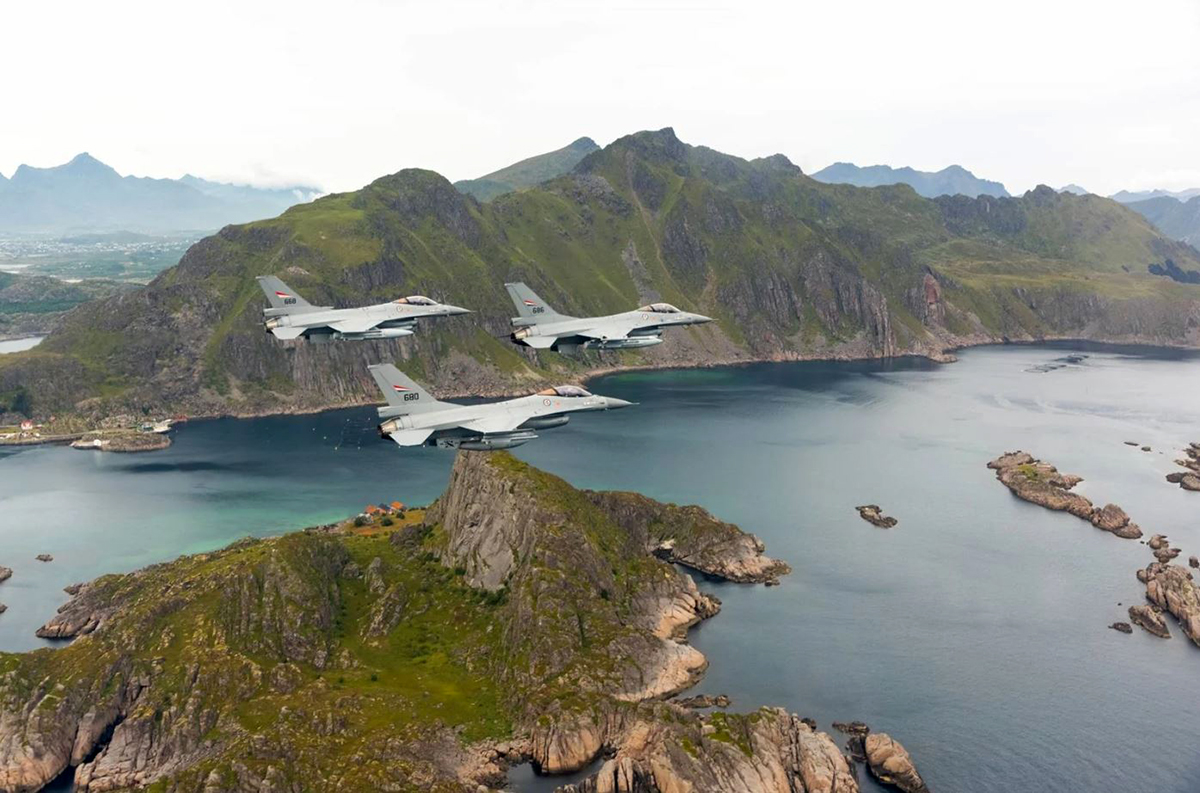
column 704, row 701
column 1041, row 483
column 1123, row 627
column 890, row 763
column 692, row 537
column 44, row 557
column 768, row 751
column 5, row 573
column 1150, row 619
column 1171, row 588
column 873, row 514
column 1189, row 478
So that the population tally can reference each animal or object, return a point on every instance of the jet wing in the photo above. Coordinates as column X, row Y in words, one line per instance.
column 613, row 330
column 355, row 324
column 411, row 437
column 504, row 422
column 288, row 333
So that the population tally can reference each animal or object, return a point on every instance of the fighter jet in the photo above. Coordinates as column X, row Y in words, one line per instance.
column 291, row 316
column 542, row 328
column 414, row 418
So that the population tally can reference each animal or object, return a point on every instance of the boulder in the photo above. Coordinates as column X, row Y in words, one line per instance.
column 1112, row 518
column 1190, row 482
column 5, row 573
column 1123, row 627
column 1151, row 619
column 891, row 764
column 1193, row 562
column 1170, row 588
column 44, row 557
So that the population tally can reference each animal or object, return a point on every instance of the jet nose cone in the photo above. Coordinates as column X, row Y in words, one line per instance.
column 456, row 310
column 700, row 319
column 612, row 403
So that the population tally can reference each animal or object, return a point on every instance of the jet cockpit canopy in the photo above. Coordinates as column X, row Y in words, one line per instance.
column 660, row 308
column 565, row 391
column 417, row 300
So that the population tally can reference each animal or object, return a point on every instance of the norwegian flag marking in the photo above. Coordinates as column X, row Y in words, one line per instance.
column 529, row 302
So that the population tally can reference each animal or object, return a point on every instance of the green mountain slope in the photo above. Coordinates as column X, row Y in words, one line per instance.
column 528, row 172
column 790, row 267
column 516, row 621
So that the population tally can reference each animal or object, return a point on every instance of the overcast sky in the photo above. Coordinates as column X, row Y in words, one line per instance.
column 1103, row 94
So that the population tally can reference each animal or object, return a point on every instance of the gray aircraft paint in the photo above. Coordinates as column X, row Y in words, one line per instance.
column 414, row 418
column 541, row 327
column 291, row 316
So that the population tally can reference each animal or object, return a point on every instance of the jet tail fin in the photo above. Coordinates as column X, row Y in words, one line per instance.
column 401, row 391
column 283, row 298
column 530, row 307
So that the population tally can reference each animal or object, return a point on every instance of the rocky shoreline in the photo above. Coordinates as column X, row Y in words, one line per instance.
column 273, row 661
column 490, row 388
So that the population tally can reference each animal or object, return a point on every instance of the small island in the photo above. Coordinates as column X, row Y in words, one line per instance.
column 1040, row 483
column 873, row 514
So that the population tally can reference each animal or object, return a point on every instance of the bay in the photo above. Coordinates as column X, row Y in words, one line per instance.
column 975, row 631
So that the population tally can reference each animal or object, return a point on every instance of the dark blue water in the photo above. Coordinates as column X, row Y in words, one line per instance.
column 974, row 632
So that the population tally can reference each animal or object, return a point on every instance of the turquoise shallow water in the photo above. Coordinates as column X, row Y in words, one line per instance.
column 974, row 632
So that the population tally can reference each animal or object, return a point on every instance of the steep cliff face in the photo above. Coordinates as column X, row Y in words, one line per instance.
column 517, row 621
column 791, row 268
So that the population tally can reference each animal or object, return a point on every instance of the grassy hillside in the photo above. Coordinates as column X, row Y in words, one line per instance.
column 790, row 267
column 365, row 656
column 528, row 172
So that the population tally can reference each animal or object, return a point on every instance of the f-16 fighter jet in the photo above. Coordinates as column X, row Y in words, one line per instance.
column 291, row 316
column 414, row 418
column 543, row 328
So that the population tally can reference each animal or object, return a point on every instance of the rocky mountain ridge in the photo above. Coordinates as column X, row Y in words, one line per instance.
column 791, row 268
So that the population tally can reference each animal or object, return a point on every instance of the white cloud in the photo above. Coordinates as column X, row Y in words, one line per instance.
column 1100, row 93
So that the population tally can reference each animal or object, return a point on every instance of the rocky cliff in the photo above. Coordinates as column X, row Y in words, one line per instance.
column 791, row 269
column 518, row 621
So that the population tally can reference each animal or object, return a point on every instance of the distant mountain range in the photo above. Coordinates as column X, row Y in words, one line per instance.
column 85, row 195
column 1128, row 197
column 953, row 180
column 1175, row 218
column 1074, row 189
column 528, row 172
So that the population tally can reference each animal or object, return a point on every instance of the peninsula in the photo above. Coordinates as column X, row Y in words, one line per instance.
column 517, row 620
